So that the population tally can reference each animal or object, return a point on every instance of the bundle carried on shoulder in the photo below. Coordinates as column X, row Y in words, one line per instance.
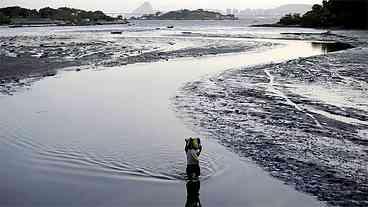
column 193, row 143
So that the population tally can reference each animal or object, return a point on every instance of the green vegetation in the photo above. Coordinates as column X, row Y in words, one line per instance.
column 290, row 19
column 4, row 19
column 73, row 15
column 18, row 12
column 68, row 15
column 186, row 14
column 351, row 14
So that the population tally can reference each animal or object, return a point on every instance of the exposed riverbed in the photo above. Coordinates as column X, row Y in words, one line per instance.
column 304, row 121
column 110, row 135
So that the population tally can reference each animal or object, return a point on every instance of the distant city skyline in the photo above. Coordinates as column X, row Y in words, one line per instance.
column 164, row 5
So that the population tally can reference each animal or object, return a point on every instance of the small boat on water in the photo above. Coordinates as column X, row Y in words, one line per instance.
column 170, row 26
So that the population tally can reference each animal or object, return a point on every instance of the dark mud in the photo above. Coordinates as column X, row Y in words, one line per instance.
column 23, row 57
column 345, row 39
column 304, row 121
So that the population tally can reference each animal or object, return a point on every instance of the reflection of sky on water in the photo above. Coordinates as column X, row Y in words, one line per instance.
column 117, row 121
column 115, row 129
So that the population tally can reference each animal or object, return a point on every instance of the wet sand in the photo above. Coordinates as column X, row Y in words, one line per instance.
column 110, row 137
column 35, row 56
column 304, row 120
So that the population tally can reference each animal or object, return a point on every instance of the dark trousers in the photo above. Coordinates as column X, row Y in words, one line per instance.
column 193, row 169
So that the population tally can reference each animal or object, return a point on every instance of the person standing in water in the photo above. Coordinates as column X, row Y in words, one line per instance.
column 193, row 149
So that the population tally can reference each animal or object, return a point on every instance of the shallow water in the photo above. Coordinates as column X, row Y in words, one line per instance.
column 331, row 46
column 144, row 27
column 110, row 136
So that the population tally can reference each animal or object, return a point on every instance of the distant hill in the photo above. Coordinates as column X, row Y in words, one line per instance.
column 292, row 8
column 70, row 16
column 186, row 14
column 145, row 8
column 275, row 12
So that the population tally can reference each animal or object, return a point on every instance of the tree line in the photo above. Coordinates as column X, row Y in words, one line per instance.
column 69, row 15
column 349, row 14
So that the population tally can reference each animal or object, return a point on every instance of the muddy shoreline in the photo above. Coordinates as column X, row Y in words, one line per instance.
column 32, row 57
column 260, row 112
column 305, row 121
column 24, row 57
column 111, row 135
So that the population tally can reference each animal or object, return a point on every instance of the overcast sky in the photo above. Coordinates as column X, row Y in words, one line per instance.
column 129, row 5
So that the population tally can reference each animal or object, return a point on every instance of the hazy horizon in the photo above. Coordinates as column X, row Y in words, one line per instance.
column 129, row 5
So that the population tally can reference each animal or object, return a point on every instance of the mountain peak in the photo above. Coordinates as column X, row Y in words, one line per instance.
column 145, row 8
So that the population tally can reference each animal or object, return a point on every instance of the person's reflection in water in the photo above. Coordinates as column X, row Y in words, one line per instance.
column 193, row 187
